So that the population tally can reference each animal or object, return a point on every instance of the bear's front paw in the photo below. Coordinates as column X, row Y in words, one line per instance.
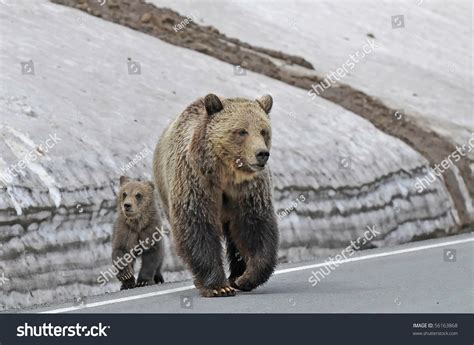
column 128, row 284
column 243, row 284
column 224, row 291
column 144, row 282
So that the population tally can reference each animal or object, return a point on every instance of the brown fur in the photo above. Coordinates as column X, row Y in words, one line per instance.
column 212, row 187
column 136, row 233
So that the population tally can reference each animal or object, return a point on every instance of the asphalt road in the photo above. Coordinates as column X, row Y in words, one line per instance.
column 433, row 276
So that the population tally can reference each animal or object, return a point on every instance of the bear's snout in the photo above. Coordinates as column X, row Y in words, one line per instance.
column 127, row 207
column 262, row 156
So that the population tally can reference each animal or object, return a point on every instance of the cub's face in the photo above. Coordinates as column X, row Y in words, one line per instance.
column 135, row 197
column 240, row 134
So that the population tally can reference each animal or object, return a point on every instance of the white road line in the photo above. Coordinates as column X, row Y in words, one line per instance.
column 288, row 270
column 379, row 255
column 118, row 300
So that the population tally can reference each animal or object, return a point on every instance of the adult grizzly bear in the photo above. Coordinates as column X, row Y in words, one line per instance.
column 137, row 232
column 209, row 168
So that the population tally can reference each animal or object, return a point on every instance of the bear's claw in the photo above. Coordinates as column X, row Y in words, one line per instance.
column 128, row 284
column 124, row 275
column 225, row 291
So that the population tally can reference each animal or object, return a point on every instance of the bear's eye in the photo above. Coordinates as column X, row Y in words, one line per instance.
column 138, row 196
column 243, row 132
column 124, row 195
column 264, row 132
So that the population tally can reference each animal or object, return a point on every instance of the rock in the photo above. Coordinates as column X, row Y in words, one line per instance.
column 146, row 17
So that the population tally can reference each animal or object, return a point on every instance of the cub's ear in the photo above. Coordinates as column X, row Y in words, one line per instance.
column 124, row 179
column 151, row 184
column 213, row 104
column 266, row 102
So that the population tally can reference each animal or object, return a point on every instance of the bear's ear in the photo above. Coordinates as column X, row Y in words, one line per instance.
column 266, row 102
column 213, row 104
column 151, row 184
column 124, row 179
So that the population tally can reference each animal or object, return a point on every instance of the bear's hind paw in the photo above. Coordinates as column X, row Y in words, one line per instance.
column 242, row 284
column 225, row 291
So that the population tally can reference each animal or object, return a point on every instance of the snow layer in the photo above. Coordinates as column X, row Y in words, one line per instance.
column 423, row 68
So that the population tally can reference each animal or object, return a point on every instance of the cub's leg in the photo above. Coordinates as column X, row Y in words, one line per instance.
column 150, row 262
column 125, row 273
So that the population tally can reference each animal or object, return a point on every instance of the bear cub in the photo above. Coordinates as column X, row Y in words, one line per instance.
column 137, row 233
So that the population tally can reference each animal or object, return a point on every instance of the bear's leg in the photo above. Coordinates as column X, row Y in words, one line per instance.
column 200, row 246
column 208, row 271
column 256, row 237
column 236, row 261
column 150, row 259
